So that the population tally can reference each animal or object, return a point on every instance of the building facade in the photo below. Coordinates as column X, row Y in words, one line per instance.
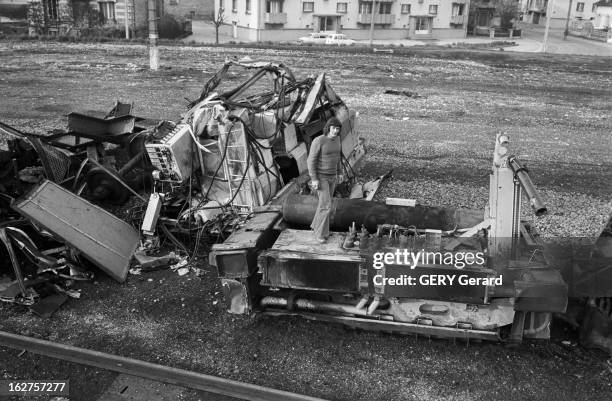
column 534, row 11
column 603, row 15
column 63, row 16
column 287, row 20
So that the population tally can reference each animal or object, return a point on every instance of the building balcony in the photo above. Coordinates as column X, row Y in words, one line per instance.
column 275, row 18
column 457, row 19
column 383, row 19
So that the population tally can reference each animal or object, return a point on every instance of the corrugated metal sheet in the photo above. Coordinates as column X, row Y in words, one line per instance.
column 103, row 238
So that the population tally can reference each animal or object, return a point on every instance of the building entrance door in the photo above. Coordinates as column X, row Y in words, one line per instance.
column 327, row 23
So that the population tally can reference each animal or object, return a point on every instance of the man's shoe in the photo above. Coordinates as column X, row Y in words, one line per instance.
column 321, row 240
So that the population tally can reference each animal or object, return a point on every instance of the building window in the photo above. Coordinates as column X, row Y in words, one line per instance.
column 365, row 7
column 107, row 11
column 247, row 8
column 234, row 6
column 308, row 6
column 385, row 8
column 274, row 6
column 580, row 7
column 421, row 24
column 173, row 2
column 341, row 8
column 457, row 9
column 51, row 9
column 594, row 7
column 405, row 8
column 433, row 9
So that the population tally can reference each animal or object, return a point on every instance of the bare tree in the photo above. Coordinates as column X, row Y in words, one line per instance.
column 219, row 19
column 508, row 12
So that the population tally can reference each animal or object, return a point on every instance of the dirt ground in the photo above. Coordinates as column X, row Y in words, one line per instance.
column 556, row 110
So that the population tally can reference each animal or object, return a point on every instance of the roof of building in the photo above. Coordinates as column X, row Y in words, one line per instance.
column 603, row 3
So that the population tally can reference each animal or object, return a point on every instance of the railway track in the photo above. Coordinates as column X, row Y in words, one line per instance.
column 165, row 374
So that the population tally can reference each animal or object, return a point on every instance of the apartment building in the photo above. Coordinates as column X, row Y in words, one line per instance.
column 278, row 20
column 534, row 11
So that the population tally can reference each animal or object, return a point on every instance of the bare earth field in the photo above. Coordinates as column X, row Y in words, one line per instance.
column 557, row 111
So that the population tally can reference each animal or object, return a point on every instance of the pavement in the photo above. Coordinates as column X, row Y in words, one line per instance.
column 531, row 40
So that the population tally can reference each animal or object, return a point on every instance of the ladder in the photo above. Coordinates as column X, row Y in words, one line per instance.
column 235, row 167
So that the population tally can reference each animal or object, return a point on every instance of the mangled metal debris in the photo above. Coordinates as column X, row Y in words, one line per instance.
column 230, row 154
column 104, row 239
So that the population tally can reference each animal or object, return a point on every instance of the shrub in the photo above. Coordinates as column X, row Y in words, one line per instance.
column 170, row 28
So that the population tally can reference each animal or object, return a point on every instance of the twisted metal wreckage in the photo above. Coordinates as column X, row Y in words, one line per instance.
column 233, row 169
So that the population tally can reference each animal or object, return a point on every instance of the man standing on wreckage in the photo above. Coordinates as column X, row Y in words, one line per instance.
column 325, row 169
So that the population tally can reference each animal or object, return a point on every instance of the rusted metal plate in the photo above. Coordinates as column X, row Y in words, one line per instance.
column 90, row 125
column 302, row 241
column 297, row 260
column 308, row 274
column 236, row 296
column 100, row 236
column 237, row 257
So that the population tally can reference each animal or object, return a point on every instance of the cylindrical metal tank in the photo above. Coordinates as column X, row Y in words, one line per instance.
column 300, row 210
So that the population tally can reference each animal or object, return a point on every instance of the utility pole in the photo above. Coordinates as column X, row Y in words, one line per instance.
column 153, row 37
column 548, row 14
column 127, row 22
column 374, row 3
column 569, row 11
column 466, row 13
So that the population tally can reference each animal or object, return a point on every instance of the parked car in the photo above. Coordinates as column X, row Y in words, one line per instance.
column 314, row 38
column 339, row 39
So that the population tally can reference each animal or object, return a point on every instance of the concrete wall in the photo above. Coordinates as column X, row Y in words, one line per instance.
column 200, row 9
column 14, row 9
column 603, row 17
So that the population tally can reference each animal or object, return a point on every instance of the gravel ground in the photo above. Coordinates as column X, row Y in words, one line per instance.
column 555, row 109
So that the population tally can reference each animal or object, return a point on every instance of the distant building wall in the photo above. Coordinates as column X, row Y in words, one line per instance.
column 534, row 11
column 191, row 9
column 14, row 9
column 394, row 19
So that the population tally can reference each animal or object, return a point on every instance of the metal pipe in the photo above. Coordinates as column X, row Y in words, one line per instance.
column 374, row 305
column 300, row 210
column 307, row 304
column 520, row 173
column 362, row 302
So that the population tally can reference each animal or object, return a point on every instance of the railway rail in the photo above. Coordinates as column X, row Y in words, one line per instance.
column 166, row 374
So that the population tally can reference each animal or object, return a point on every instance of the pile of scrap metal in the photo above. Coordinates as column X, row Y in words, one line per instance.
column 50, row 234
column 364, row 279
column 234, row 149
column 226, row 159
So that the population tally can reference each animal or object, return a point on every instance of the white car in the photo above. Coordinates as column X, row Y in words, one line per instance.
column 339, row 39
column 318, row 38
